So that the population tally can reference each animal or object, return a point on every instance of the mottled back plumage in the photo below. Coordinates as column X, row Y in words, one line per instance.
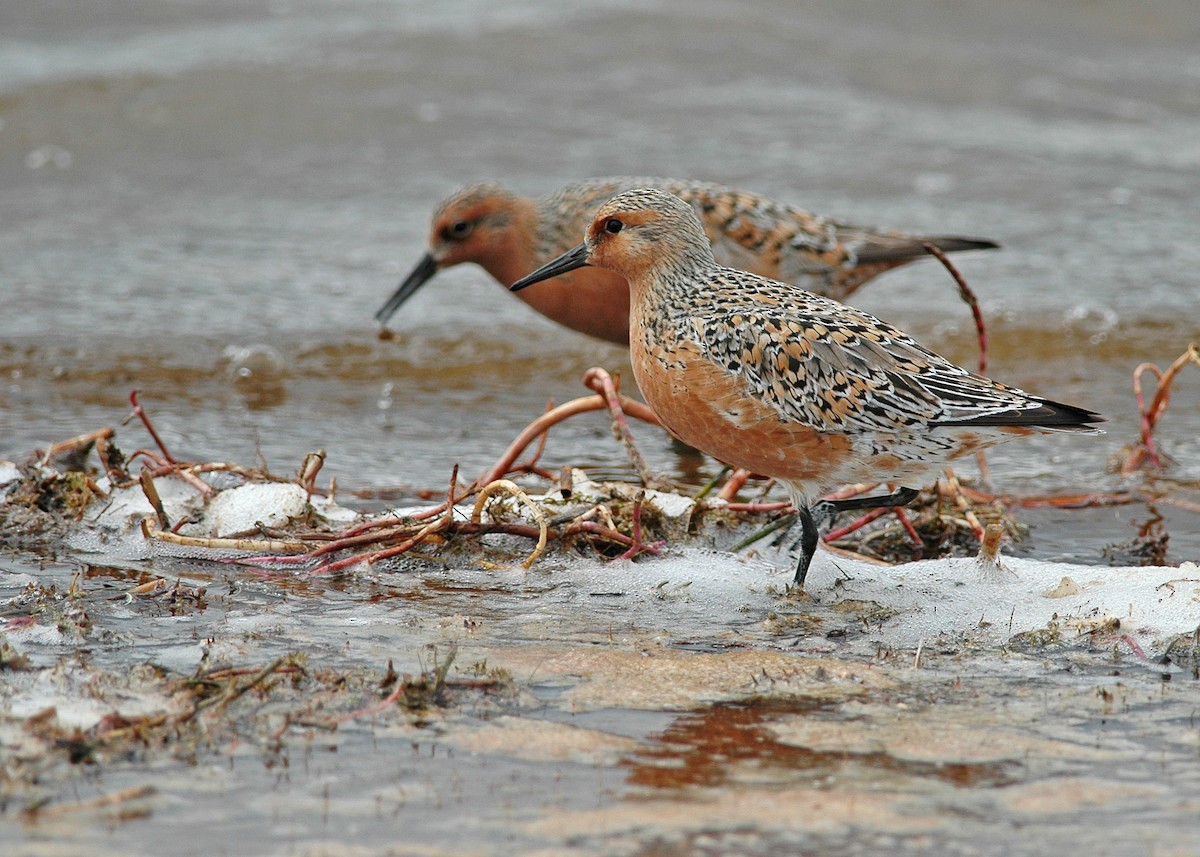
column 504, row 232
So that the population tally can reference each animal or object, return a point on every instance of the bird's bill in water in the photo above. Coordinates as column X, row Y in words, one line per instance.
column 420, row 275
column 569, row 261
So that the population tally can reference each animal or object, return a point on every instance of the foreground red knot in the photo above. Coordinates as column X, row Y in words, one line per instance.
column 509, row 235
column 782, row 382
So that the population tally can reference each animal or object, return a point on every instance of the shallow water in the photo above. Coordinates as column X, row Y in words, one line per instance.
column 625, row 719
column 194, row 195
column 209, row 201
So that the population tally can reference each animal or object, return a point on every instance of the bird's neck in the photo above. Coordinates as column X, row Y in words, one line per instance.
column 661, row 302
column 669, row 289
column 515, row 254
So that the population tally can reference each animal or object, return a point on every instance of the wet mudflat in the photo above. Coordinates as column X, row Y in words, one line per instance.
column 209, row 202
column 580, row 708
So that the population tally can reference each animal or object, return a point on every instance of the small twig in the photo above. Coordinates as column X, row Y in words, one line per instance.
column 250, row 545
column 774, row 526
column 981, row 329
column 638, row 546
column 140, row 413
column 568, row 409
column 860, row 557
column 309, row 468
column 100, row 802
column 608, row 533
column 857, row 524
column 708, row 486
column 515, row 490
column 956, row 493
column 776, row 506
column 450, row 500
column 222, row 673
column 989, row 545
column 541, row 443
column 233, row 694
column 398, row 691
column 599, row 380
column 851, row 491
column 79, row 440
column 1133, row 646
column 150, row 587
column 1149, row 416
column 440, row 524
column 155, row 501
column 736, row 481
column 909, row 528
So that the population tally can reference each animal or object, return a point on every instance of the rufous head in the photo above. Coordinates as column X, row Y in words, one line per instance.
column 470, row 225
column 633, row 234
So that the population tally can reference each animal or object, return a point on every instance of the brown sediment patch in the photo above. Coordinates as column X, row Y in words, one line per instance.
column 810, row 811
column 655, row 678
column 544, row 741
column 1069, row 795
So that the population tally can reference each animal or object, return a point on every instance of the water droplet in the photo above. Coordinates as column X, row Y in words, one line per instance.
column 257, row 360
column 1095, row 321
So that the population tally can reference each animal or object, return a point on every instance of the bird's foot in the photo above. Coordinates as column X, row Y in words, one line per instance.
column 812, row 520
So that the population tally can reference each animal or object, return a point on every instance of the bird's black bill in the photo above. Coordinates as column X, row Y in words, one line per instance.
column 421, row 274
column 569, row 261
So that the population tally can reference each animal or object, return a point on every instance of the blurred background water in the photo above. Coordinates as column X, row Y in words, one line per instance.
column 208, row 201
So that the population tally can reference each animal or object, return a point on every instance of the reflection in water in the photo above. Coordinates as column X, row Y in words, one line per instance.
column 730, row 743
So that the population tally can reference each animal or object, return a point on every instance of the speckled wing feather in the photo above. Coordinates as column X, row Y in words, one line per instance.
column 833, row 368
column 752, row 232
column 757, row 232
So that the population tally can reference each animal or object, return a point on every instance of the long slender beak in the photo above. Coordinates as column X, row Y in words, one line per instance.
column 425, row 270
column 569, row 261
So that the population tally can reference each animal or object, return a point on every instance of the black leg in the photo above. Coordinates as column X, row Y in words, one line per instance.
column 899, row 497
column 807, row 542
column 811, row 520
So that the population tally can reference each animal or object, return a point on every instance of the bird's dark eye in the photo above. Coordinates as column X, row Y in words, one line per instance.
column 459, row 229
column 613, row 225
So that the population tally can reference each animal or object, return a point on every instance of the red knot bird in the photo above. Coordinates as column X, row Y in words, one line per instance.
column 509, row 235
column 779, row 381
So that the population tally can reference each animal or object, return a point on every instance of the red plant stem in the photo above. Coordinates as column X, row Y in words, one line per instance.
column 1134, row 647
column 1145, row 418
column 637, row 546
column 841, row 532
column 578, row 528
column 908, row 527
column 378, row 708
column 541, row 447
column 737, row 479
column 555, row 416
column 851, row 491
column 161, row 467
column 140, row 413
column 599, row 380
column 1065, row 501
column 967, row 295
